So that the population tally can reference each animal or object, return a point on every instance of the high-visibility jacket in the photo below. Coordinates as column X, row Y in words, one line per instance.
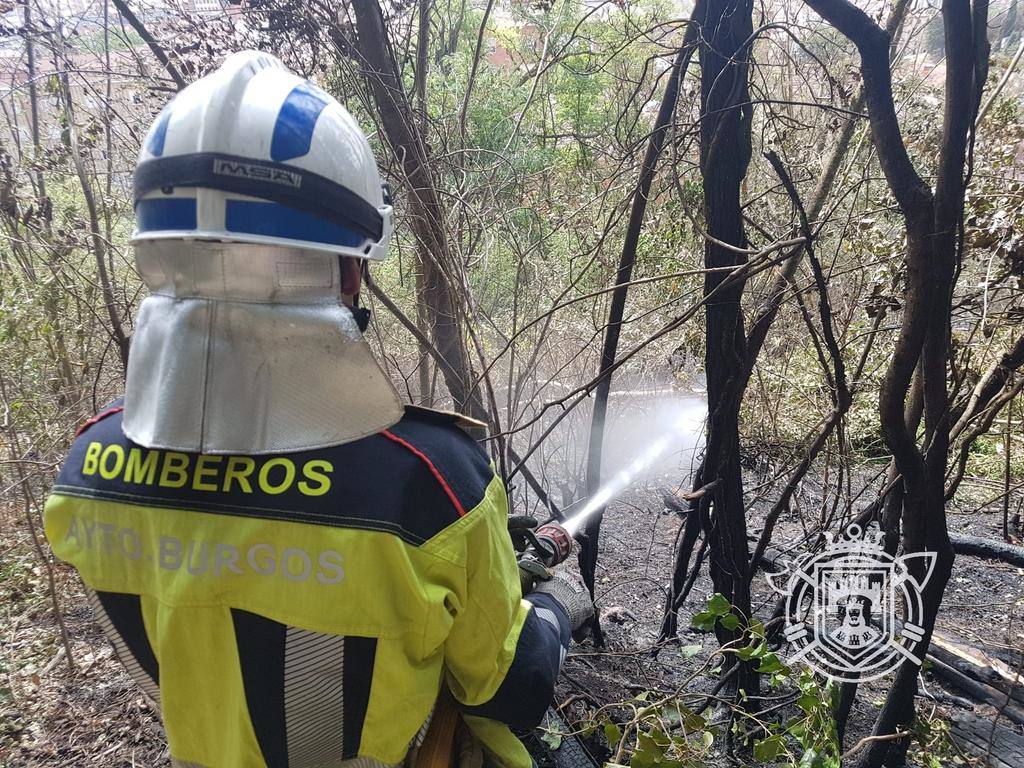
column 301, row 610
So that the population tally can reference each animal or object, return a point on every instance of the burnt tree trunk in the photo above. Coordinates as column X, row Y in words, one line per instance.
column 933, row 224
column 758, row 330
column 725, row 149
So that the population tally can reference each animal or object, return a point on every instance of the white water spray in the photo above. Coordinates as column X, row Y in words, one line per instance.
column 682, row 427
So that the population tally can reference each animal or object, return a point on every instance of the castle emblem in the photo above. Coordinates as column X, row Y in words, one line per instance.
column 853, row 611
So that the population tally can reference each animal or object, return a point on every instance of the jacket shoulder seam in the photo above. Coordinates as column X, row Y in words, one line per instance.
column 98, row 418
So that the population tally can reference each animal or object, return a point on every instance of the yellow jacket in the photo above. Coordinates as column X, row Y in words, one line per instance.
column 300, row 610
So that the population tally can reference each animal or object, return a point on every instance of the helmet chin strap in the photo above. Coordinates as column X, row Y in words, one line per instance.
column 360, row 314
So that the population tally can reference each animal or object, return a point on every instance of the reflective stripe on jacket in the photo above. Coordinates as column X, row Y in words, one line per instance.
column 300, row 610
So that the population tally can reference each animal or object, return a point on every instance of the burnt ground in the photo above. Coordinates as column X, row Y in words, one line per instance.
column 51, row 716
column 983, row 607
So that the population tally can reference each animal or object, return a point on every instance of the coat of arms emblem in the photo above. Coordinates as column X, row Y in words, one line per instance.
column 853, row 611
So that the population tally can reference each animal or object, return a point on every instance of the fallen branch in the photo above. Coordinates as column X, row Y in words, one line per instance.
column 977, row 664
column 963, row 544
column 980, row 692
column 1001, row 747
column 869, row 739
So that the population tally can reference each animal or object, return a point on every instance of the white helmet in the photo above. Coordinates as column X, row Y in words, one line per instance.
column 252, row 182
column 255, row 154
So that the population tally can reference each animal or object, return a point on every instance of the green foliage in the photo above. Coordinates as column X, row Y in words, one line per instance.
column 932, row 744
column 717, row 610
column 668, row 731
column 988, row 457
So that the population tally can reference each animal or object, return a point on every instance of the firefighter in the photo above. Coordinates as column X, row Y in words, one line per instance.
column 288, row 562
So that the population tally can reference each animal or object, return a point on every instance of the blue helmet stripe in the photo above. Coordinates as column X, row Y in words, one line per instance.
column 159, row 135
column 293, row 131
column 244, row 217
column 273, row 220
column 161, row 214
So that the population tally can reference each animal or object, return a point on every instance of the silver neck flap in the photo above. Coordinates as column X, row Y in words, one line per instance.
column 247, row 349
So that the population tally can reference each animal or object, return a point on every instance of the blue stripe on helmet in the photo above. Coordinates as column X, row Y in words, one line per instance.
column 244, row 217
column 293, row 131
column 159, row 135
column 273, row 220
column 168, row 213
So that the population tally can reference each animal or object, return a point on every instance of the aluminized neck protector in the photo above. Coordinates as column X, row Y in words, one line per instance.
column 247, row 349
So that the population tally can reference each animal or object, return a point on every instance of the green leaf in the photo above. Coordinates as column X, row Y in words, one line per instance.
column 807, row 702
column 689, row 651
column 553, row 740
column 752, row 651
column 648, row 752
column 671, row 716
column 809, row 758
column 707, row 739
column 659, row 737
column 766, row 750
column 692, row 721
column 730, row 621
column 612, row 734
column 718, row 604
column 703, row 620
column 771, row 664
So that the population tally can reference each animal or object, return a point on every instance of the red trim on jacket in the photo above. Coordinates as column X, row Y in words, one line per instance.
column 98, row 417
column 430, row 465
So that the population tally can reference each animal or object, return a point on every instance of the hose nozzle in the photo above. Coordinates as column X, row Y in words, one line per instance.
column 554, row 544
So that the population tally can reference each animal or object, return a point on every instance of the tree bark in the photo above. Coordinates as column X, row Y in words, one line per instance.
column 154, row 46
column 933, row 222
column 725, row 149
column 976, row 546
column 686, row 541
column 65, row 382
column 768, row 312
column 99, row 246
column 999, row 746
column 423, row 371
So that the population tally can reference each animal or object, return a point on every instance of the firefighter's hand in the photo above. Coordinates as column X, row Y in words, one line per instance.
column 570, row 593
column 532, row 573
column 518, row 528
